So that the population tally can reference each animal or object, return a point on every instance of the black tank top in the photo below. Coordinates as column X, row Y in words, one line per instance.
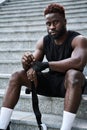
column 55, row 52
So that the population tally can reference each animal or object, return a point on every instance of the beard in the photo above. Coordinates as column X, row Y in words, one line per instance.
column 59, row 33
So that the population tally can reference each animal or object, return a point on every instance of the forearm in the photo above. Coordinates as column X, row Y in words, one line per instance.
column 64, row 65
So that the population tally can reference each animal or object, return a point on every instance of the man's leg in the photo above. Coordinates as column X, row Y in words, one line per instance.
column 74, row 80
column 12, row 96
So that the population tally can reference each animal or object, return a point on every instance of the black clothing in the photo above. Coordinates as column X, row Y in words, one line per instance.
column 55, row 52
column 52, row 83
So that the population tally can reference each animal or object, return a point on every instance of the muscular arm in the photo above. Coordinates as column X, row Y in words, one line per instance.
column 38, row 54
column 77, row 60
column 28, row 58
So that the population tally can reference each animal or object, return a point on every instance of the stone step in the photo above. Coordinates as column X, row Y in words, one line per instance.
column 26, row 120
column 26, row 33
column 38, row 21
column 25, row 23
column 31, row 35
column 74, row 13
column 17, row 45
column 42, row 3
column 48, row 105
column 35, row 2
column 41, row 17
column 32, row 11
column 25, row 36
column 38, row 27
column 13, row 54
column 38, row 8
column 34, row 30
column 22, row 39
column 24, row 28
column 4, row 79
column 38, row 17
column 10, row 66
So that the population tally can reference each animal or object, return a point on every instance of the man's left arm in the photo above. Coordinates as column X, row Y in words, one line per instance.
column 77, row 60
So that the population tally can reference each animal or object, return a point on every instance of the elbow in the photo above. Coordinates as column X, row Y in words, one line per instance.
column 80, row 64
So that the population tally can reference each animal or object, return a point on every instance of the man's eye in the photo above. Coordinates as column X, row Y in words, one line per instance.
column 48, row 23
column 55, row 22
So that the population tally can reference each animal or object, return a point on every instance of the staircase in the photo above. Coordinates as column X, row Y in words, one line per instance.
column 21, row 25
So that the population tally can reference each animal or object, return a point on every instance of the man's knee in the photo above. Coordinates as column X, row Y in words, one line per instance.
column 74, row 78
column 16, row 77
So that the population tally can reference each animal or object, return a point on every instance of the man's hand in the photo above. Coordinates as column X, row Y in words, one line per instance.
column 39, row 66
column 35, row 67
column 32, row 76
column 27, row 60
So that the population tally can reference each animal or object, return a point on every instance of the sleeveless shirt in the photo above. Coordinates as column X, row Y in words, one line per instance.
column 55, row 52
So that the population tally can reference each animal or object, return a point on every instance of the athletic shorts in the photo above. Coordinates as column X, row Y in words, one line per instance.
column 51, row 84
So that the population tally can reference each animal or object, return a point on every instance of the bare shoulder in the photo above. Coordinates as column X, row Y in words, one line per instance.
column 80, row 41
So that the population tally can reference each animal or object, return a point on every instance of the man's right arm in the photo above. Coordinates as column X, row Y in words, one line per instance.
column 29, row 58
column 39, row 54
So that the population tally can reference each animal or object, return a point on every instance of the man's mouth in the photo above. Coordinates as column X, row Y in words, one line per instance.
column 52, row 32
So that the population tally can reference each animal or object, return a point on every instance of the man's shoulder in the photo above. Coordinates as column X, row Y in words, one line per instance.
column 80, row 40
column 47, row 38
column 73, row 33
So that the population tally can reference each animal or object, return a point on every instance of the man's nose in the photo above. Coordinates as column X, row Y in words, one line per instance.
column 52, row 26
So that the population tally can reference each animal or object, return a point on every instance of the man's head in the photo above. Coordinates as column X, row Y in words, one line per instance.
column 54, row 8
column 55, row 20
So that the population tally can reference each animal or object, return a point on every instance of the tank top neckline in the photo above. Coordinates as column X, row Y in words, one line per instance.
column 56, row 45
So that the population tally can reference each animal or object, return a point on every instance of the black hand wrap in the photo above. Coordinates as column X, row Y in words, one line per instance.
column 39, row 66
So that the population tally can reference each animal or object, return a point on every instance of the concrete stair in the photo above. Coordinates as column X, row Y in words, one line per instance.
column 51, row 109
column 21, row 25
column 21, row 121
column 48, row 105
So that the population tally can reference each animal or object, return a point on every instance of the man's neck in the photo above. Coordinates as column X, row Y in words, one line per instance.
column 62, row 39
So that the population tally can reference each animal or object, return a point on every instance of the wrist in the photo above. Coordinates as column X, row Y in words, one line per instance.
column 46, row 64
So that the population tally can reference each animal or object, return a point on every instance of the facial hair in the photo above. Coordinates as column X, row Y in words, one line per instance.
column 59, row 33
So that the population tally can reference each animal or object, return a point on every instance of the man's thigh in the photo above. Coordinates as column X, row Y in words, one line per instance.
column 51, row 85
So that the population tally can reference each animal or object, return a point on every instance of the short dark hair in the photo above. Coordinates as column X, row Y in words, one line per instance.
column 55, row 8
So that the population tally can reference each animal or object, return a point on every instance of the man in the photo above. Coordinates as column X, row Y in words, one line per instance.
column 66, row 54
